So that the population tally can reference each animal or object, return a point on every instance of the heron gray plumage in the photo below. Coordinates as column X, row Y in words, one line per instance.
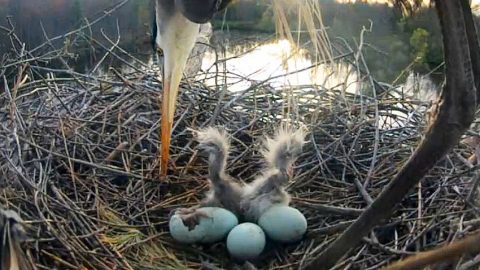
column 176, row 27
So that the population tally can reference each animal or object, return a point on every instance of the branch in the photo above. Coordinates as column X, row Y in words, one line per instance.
column 439, row 255
column 472, row 42
column 452, row 117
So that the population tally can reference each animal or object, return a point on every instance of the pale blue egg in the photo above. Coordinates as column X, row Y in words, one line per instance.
column 246, row 241
column 283, row 223
column 213, row 226
column 182, row 234
column 221, row 222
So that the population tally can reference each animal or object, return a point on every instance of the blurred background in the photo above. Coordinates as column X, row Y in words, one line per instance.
column 395, row 47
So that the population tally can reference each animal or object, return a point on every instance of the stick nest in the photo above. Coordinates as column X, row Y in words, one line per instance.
column 79, row 163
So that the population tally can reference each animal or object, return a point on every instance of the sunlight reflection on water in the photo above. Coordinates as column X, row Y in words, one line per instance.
column 283, row 67
column 279, row 63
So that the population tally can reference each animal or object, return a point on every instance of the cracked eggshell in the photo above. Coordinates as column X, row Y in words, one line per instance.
column 182, row 234
column 212, row 228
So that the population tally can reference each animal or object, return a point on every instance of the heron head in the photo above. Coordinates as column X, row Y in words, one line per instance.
column 177, row 25
column 175, row 38
column 200, row 11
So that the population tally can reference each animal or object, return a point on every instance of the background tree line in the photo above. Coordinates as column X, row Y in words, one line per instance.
column 395, row 43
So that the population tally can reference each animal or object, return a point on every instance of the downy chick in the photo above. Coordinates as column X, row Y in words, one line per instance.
column 269, row 188
column 224, row 191
column 248, row 202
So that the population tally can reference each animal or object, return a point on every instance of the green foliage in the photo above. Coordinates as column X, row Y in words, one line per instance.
column 396, row 42
column 267, row 22
column 419, row 42
column 247, row 15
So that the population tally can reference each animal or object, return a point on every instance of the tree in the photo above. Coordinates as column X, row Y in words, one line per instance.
column 419, row 43
column 408, row 7
column 451, row 117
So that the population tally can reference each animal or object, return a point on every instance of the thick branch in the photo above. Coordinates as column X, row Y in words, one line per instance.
column 453, row 116
column 439, row 255
column 472, row 42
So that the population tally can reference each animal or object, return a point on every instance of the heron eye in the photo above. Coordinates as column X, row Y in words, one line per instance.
column 159, row 51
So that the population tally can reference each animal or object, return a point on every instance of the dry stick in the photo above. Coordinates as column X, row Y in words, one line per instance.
column 454, row 115
column 102, row 167
column 474, row 189
column 120, row 49
column 116, row 152
column 439, row 255
column 475, row 262
column 108, row 50
column 377, row 121
column 329, row 210
column 105, row 13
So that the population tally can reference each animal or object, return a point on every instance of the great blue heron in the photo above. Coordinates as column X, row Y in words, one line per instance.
column 176, row 27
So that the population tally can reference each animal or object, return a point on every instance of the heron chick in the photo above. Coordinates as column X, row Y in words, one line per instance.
column 12, row 234
column 224, row 191
column 269, row 187
column 247, row 201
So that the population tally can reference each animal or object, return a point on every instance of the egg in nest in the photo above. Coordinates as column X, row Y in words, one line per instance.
column 213, row 225
column 283, row 223
column 246, row 241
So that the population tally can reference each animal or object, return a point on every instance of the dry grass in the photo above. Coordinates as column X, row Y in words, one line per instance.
column 309, row 16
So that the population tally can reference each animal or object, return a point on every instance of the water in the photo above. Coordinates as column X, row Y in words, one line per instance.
column 278, row 63
column 251, row 56
column 281, row 65
column 246, row 57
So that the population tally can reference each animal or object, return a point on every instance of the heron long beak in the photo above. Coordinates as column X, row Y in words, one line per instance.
column 171, row 82
column 178, row 42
